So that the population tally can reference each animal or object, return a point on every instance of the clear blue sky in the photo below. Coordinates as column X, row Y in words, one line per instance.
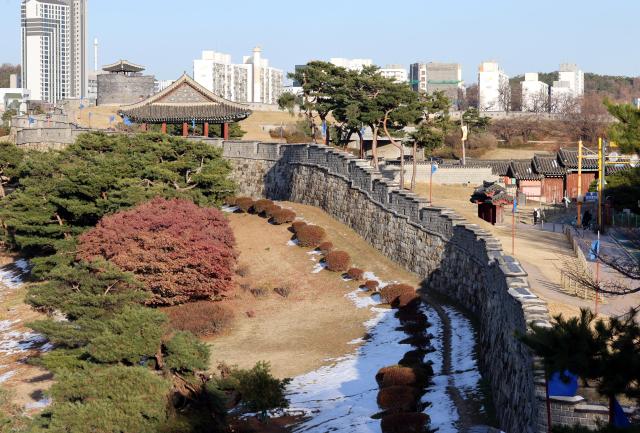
column 523, row 36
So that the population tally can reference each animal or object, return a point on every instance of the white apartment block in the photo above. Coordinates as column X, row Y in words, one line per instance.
column 568, row 89
column 493, row 83
column 251, row 81
column 535, row 94
column 54, row 37
column 396, row 73
column 351, row 64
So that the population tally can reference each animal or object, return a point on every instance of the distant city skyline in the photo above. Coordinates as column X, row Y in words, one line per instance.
column 522, row 39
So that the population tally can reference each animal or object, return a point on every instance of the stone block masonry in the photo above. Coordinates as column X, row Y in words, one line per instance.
column 455, row 258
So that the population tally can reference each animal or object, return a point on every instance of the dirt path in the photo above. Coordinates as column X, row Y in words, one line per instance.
column 317, row 321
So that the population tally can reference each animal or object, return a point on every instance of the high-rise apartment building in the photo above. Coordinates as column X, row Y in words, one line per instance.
column 493, row 87
column 54, row 52
column 396, row 73
column 568, row 89
column 535, row 94
column 435, row 76
column 251, row 81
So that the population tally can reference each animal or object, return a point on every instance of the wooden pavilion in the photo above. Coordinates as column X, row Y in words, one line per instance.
column 185, row 101
column 490, row 198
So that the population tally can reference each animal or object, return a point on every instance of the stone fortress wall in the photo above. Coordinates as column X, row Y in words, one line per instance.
column 118, row 89
column 456, row 258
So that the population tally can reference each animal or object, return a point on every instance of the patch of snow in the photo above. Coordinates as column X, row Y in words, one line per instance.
column 342, row 396
column 442, row 410
column 6, row 376
column 293, row 242
column 363, row 301
column 464, row 364
column 40, row 404
column 14, row 342
column 319, row 267
column 12, row 275
column 314, row 252
column 374, row 277
column 229, row 209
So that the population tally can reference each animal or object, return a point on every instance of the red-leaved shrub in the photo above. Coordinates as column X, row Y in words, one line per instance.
column 414, row 422
column 283, row 216
column 271, row 209
column 337, row 261
column 398, row 295
column 355, row 273
column 325, row 247
column 244, row 203
column 179, row 251
column 203, row 318
column 310, row 236
column 371, row 285
column 297, row 225
column 260, row 205
column 398, row 398
column 397, row 375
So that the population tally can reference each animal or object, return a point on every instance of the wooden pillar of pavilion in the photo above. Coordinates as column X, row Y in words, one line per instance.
column 144, row 127
column 185, row 129
column 225, row 131
column 205, row 130
column 164, row 127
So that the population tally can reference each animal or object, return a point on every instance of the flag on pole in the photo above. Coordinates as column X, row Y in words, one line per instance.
column 81, row 106
column 434, row 167
column 619, row 417
column 515, row 204
column 193, row 125
column 595, row 250
column 127, row 121
column 324, row 128
column 112, row 119
column 31, row 120
column 563, row 385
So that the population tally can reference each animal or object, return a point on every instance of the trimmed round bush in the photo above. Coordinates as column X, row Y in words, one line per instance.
column 283, row 216
column 371, row 285
column 244, row 203
column 204, row 318
column 355, row 273
column 271, row 209
column 260, row 205
column 297, row 225
column 398, row 295
column 230, row 201
column 310, row 236
column 337, row 261
column 413, row 422
column 325, row 247
column 398, row 398
column 397, row 376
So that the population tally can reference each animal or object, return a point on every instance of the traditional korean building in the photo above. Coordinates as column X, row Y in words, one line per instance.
column 491, row 198
column 186, row 102
column 122, row 83
column 553, row 175
column 525, row 179
column 568, row 158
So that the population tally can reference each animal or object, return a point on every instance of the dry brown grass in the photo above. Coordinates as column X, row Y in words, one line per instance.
column 204, row 318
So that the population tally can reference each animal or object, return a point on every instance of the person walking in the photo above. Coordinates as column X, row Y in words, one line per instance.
column 535, row 216
column 586, row 219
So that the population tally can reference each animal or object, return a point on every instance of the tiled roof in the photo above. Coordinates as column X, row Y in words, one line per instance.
column 184, row 101
column 491, row 192
column 548, row 166
column 498, row 167
column 569, row 159
column 523, row 170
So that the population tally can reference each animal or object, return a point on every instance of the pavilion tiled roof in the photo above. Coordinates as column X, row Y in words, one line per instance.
column 523, row 170
column 185, row 101
column 123, row 66
column 548, row 165
column 491, row 192
column 569, row 159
